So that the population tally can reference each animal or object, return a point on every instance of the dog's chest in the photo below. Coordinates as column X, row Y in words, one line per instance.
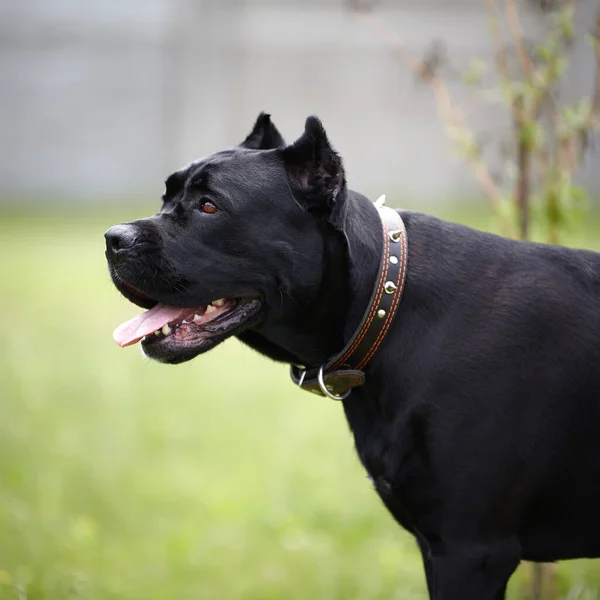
column 389, row 450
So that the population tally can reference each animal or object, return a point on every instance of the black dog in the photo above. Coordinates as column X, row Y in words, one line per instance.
column 479, row 421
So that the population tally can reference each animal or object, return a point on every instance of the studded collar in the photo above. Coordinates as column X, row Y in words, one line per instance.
column 336, row 378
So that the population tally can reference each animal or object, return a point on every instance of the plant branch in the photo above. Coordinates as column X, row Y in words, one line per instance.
column 574, row 154
column 595, row 108
column 499, row 51
column 516, row 32
column 523, row 168
column 448, row 112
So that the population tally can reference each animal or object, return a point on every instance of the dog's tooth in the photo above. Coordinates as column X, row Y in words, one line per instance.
column 166, row 330
column 218, row 302
column 197, row 318
column 210, row 308
column 184, row 322
column 157, row 332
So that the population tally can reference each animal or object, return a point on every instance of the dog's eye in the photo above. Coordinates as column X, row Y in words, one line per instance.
column 208, row 207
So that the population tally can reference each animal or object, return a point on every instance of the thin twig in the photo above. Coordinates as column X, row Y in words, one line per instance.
column 523, row 168
column 448, row 112
column 516, row 32
column 499, row 51
column 596, row 96
column 521, row 118
column 545, row 98
column 592, row 121
column 595, row 106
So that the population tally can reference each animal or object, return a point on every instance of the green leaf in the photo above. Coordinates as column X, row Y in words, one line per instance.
column 565, row 22
column 530, row 134
column 476, row 71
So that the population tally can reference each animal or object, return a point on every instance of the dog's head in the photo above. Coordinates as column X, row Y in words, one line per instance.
column 237, row 235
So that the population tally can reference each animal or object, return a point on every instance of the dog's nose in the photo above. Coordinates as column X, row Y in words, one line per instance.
column 120, row 237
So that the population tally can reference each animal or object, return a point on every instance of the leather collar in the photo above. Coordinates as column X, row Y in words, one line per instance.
column 336, row 378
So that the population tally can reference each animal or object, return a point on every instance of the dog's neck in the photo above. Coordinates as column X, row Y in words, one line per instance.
column 362, row 227
column 351, row 256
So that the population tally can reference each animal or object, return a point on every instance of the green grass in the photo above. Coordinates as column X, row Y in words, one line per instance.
column 125, row 479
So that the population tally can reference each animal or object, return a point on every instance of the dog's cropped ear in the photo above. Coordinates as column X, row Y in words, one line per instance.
column 315, row 169
column 264, row 135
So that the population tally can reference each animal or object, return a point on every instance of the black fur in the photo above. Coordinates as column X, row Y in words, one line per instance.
column 479, row 422
column 264, row 135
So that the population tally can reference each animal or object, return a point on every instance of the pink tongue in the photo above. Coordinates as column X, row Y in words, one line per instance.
column 148, row 322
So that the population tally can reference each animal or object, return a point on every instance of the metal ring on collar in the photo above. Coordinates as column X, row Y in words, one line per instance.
column 326, row 391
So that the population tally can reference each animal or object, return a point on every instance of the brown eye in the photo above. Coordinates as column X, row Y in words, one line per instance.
column 208, row 207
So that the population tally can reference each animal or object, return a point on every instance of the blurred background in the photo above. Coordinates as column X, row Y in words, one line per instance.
column 217, row 479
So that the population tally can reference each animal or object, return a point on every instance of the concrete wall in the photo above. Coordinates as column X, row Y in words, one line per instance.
column 105, row 98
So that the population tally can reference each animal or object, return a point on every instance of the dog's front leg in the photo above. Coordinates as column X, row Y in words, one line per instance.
column 456, row 570
column 428, row 564
column 474, row 572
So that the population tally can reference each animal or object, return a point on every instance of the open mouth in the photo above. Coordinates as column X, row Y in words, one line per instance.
column 174, row 334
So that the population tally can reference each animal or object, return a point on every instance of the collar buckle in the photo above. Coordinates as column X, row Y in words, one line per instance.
column 326, row 391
